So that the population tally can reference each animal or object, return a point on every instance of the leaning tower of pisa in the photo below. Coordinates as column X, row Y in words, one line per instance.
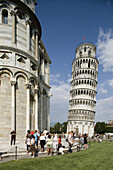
column 81, row 114
column 24, row 71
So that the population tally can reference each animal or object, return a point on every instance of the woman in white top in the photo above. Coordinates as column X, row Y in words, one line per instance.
column 42, row 142
column 28, row 143
column 49, row 144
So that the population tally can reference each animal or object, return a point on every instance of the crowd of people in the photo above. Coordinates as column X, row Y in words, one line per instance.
column 36, row 141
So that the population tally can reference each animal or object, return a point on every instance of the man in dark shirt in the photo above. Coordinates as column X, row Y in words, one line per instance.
column 13, row 136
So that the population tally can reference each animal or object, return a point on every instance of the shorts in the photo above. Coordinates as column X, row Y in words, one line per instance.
column 32, row 149
column 49, row 146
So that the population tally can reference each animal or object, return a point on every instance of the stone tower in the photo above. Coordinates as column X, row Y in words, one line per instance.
column 81, row 114
column 24, row 70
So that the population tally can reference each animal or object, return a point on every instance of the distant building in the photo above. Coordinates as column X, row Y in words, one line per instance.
column 110, row 122
column 24, row 71
column 81, row 114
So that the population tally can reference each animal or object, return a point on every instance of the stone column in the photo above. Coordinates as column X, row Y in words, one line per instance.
column 41, row 96
column 42, row 68
column 36, row 108
column 28, row 86
column 0, row 17
column 13, row 14
column 48, row 113
column 13, row 105
column 28, row 22
column 36, row 46
column 48, row 73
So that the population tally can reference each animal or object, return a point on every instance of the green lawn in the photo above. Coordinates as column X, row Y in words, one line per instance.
column 98, row 156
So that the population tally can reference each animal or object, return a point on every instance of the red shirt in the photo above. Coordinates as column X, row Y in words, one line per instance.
column 59, row 140
column 32, row 133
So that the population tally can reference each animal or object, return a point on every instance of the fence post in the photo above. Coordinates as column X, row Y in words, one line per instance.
column 15, row 152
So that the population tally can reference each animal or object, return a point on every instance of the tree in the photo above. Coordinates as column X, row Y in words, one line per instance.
column 100, row 127
column 64, row 127
column 57, row 128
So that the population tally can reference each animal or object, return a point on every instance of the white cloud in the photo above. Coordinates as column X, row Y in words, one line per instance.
column 101, row 88
column 105, row 49
column 69, row 78
column 110, row 83
column 60, row 102
column 104, row 109
column 55, row 78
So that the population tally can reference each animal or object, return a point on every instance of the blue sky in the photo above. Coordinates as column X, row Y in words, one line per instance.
column 63, row 24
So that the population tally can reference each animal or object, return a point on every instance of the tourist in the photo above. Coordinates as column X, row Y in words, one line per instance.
column 44, row 132
column 36, row 135
column 13, row 136
column 85, row 141
column 32, row 132
column 49, row 144
column 82, row 141
column 28, row 133
column 28, row 143
column 59, row 142
column 42, row 142
column 32, row 145
column 70, row 145
column 55, row 142
column 62, row 150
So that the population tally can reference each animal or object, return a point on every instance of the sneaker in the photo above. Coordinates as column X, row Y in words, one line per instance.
column 32, row 156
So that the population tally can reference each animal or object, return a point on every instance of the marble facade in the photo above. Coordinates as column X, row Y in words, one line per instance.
column 24, row 70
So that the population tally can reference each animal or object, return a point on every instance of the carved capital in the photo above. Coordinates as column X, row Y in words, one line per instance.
column 36, row 32
column 28, row 85
column 13, row 13
column 13, row 81
column 28, row 22
column 36, row 90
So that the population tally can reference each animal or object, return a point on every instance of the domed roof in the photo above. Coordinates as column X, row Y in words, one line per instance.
column 30, row 3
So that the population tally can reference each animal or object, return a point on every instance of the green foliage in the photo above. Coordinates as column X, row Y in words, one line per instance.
column 59, row 128
column 64, row 127
column 109, row 129
column 100, row 127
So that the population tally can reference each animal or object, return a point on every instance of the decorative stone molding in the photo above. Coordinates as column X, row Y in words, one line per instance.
column 13, row 81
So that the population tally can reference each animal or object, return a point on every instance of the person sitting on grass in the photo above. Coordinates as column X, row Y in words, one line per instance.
column 49, row 144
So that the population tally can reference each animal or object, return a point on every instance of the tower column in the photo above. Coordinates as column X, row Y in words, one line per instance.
column 28, row 22
column 13, row 105
column 13, row 26
column 28, row 86
column 36, row 108
column 36, row 46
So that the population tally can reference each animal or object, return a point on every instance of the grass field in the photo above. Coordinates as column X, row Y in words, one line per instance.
column 98, row 157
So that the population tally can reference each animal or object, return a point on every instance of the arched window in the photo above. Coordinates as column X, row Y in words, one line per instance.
column 5, row 16
column 84, row 49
